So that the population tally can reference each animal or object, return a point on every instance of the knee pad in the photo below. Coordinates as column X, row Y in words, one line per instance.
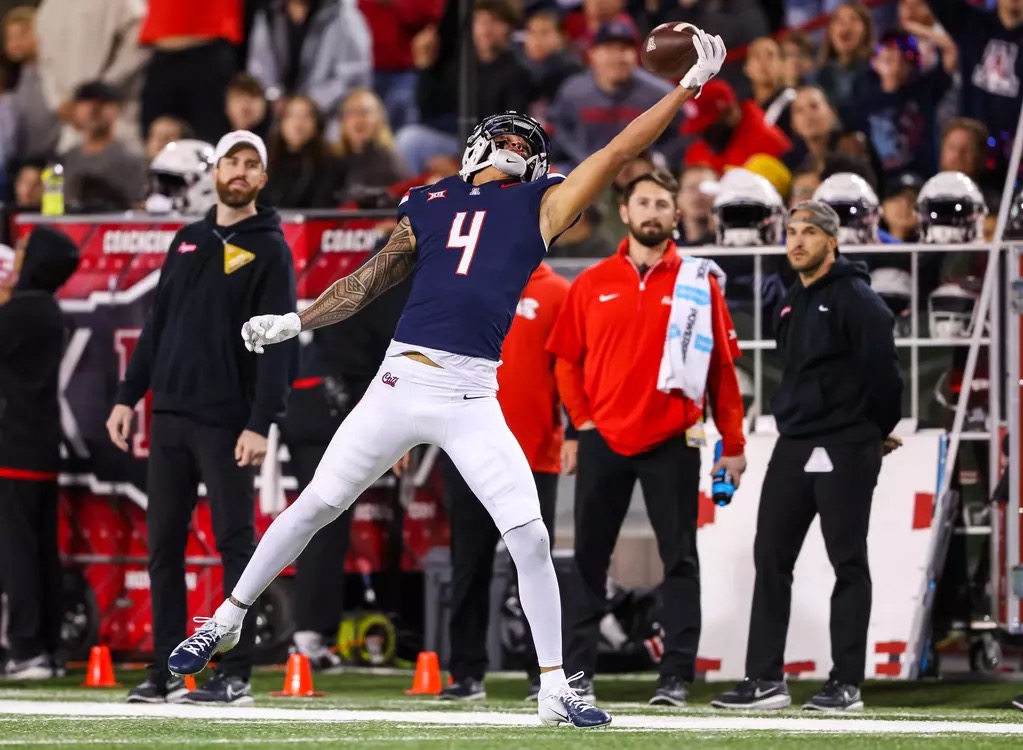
column 529, row 542
column 310, row 511
column 332, row 490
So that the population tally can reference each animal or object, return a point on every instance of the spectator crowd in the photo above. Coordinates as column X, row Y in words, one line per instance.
column 358, row 99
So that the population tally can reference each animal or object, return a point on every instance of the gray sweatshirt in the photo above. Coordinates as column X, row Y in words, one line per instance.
column 584, row 118
column 336, row 55
column 86, row 40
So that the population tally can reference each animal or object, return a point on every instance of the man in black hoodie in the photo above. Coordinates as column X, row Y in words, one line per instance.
column 212, row 404
column 839, row 399
column 31, row 346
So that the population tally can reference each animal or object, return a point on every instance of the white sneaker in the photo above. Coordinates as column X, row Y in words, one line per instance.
column 564, row 706
column 37, row 668
column 315, row 648
column 193, row 654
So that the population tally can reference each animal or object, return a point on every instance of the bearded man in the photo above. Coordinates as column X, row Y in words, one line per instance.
column 212, row 402
column 618, row 323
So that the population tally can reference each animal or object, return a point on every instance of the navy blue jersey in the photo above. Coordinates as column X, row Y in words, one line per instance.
column 476, row 247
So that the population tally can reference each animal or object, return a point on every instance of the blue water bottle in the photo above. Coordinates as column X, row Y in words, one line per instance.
column 723, row 487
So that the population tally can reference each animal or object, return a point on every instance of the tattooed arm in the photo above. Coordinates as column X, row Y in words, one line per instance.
column 380, row 272
column 344, row 297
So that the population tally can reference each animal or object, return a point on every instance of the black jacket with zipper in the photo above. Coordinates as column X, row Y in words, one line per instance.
column 841, row 381
column 31, row 347
column 191, row 352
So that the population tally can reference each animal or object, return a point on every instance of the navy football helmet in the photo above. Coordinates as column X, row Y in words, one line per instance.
column 481, row 152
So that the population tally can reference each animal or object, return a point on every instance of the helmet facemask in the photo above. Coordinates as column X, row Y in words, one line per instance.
column 858, row 222
column 181, row 179
column 747, row 210
column 951, row 209
column 857, row 206
column 747, row 225
column 167, row 192
column 949, row 220
column 950, row 310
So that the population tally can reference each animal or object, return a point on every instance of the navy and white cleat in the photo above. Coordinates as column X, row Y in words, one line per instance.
column 193, row 654
column 564, row 706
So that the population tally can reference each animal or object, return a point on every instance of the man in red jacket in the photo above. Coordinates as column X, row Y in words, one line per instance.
column 609, row 340
column 528, row 396
column 729, row 132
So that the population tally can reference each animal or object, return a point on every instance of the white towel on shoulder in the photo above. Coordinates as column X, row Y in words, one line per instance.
column 690, row 337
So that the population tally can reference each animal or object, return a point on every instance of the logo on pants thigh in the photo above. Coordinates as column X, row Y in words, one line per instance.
column 390, row 379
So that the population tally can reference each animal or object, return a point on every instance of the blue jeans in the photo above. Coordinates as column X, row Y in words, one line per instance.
column 397, row 90
column 416, row 144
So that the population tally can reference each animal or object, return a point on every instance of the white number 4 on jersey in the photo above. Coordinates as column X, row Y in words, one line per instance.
column 467, row 242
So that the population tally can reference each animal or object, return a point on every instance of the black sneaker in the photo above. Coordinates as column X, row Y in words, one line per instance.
column 1018, row 702
column 836, row 696
column 755, row 695
column 222, row 690
column 671, row 691
column 154, row 690
column 464, row 690
column 534, row 690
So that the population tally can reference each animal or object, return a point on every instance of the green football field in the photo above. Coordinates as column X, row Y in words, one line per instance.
column 372, row 711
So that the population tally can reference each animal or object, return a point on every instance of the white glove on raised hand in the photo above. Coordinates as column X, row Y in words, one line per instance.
column 711, row 53
column 270, row 329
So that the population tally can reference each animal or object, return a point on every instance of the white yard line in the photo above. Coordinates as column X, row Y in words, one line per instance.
column 248, row 741
column 492, row 718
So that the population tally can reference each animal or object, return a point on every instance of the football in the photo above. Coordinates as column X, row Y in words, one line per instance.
column 668, row 51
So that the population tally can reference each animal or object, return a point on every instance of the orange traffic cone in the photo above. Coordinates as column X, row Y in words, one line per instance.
column 298, row 680
column 427, row 677
column 189, row 682
column 100, row 672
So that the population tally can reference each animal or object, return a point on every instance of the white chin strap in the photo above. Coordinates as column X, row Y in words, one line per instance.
column 159, row 204
column 509, row 162
column 854, row 236
column 740, row 237
column 942, row 234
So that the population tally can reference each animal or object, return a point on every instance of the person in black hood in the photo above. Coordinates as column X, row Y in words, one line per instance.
column 31, row 346
column 838, row 402
column 212, row 404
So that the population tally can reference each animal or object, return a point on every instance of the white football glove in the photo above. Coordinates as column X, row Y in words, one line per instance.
column 270, row 329
column 711, row 53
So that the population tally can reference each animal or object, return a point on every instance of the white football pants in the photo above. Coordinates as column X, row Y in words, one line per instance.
column 411, row 403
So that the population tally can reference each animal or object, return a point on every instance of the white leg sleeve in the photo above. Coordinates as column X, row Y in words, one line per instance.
column 369, row 441
column 283, row 542
column 530, row 549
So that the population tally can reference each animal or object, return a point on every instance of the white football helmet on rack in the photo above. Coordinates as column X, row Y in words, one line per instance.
column 747, row 210
column 181, row 179
column 951, row 209
column 950, row 310
column 857, row 206
column 895, row 287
